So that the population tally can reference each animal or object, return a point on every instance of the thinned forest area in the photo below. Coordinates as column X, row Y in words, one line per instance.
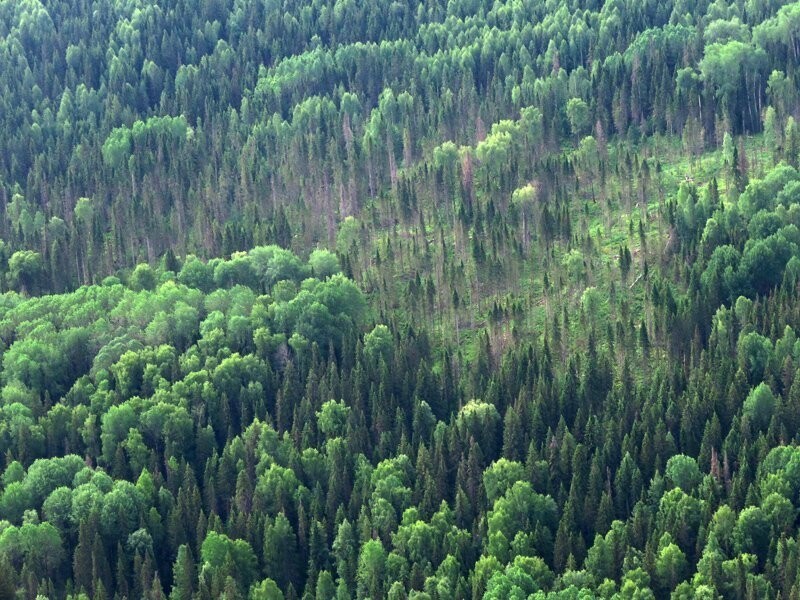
column 314, row 300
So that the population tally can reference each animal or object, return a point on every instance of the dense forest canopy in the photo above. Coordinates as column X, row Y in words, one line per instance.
column 409, row 300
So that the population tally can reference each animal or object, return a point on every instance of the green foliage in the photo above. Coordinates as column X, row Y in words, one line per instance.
column 25, row 271
column 379, row 344
column 122, row 141
column 759, row 406
column 583, row 214
column 332, row 418
column 266, row 590
column 371, row 565
column 682, row 471
column 671, row 564
column 219, row 551
column 323, row 263
column 500, row 476
column 142, row 278
column 578, row 115
column 480, row 421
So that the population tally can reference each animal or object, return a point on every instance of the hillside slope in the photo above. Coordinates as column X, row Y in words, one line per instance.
column 402, row 300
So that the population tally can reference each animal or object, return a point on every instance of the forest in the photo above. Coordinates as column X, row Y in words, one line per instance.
column 314, row 299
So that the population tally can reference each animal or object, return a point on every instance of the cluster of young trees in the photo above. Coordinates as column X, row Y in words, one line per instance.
column 245, row 117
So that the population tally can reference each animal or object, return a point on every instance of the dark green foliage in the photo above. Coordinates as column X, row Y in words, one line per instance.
column 459, row 299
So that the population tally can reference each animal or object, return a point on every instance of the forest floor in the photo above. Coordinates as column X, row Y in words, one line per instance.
column 608, row 229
